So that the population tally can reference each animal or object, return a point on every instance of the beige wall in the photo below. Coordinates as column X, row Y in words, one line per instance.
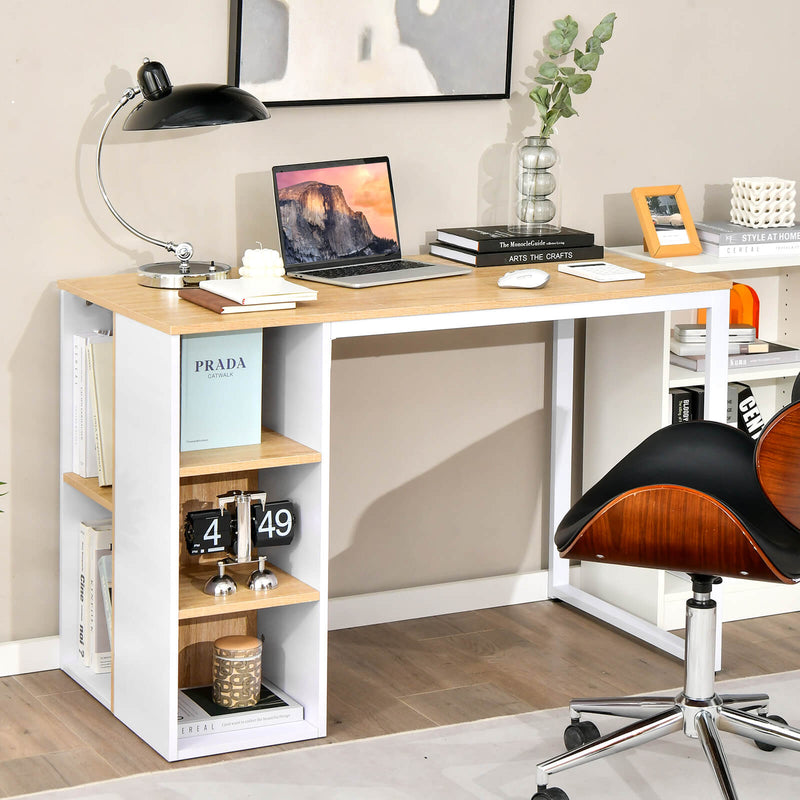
column 690, row 92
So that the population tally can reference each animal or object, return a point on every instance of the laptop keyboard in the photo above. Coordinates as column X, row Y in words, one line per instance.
column 366, row 269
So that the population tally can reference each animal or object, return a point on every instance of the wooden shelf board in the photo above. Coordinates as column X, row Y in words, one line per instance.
column 193, row 602
column 274, row 450
column 92, row 489
column 678, row 376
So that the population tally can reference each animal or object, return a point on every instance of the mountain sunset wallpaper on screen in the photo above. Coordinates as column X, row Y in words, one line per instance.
column 365, row 187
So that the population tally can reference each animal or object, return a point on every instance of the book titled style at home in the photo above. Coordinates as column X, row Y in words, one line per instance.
column 517, row 257
column 499, row 239
column 729, row 233
column 775, row 354
column 220, row 389
column 199, row 715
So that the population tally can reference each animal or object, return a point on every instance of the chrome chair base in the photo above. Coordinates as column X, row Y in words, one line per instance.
column 697, row 711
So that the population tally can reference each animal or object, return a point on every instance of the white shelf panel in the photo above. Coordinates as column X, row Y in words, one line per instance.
column 708, row 263
column 678, row 376
column 98, row 685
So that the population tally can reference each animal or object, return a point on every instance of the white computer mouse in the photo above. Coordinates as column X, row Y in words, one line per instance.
column 524, row 279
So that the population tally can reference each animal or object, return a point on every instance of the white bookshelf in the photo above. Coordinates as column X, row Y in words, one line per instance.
column 612, row 428
column 163, row 624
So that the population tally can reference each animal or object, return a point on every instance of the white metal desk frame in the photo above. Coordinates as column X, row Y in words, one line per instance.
column 563, row 315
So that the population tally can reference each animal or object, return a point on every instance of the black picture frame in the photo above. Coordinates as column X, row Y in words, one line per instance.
column 443, row 63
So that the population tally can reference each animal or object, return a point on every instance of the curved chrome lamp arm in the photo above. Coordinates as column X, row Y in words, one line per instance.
column 184, row 251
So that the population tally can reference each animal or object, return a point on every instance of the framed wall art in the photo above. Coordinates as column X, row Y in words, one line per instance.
column 314, row 52
column 666, row 222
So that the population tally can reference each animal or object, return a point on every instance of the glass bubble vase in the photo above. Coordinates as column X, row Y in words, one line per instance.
column 535, row 191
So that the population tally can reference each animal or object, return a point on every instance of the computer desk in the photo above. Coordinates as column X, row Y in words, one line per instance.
column 298, row 344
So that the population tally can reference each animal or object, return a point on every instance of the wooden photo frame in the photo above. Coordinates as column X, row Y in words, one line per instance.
column 666, row 222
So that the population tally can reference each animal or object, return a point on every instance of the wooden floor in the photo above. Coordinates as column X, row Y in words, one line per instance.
column 390, row 678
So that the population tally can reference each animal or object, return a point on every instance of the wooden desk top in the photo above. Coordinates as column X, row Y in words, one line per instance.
column 163, row 310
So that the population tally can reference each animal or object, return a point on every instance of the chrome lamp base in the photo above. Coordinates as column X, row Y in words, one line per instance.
column 177, row 275
column 698, row 711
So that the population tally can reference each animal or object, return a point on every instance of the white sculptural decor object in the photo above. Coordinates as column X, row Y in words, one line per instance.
column 763, row 202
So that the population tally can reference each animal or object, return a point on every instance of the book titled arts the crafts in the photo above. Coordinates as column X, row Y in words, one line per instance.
column 220, row 389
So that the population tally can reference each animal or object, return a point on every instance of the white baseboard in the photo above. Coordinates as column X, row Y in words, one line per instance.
column 28, row 655
column 442, row 598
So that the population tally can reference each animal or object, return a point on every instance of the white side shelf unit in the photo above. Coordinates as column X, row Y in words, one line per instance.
column 163, row 623
column 635, row 402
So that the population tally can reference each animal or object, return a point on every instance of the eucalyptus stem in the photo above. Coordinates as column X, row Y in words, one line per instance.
column 556, row 102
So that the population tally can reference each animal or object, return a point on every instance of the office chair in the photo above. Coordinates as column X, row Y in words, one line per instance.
column 705, row 499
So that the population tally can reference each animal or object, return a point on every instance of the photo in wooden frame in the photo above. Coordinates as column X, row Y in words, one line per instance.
column 666, row 222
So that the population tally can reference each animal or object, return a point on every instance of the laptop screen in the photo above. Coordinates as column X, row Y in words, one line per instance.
column 336, row 212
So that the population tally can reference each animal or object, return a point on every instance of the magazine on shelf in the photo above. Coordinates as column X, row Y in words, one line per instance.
column 94, row 648
column 199, row 715
column 101, row 380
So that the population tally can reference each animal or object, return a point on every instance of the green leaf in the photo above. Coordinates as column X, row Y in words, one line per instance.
column 593, row 45
column 558, row 43
column 582, row 84
column 540, row 95
column 587, row 61
column 567, row 70
column 548, row 70
column 605, row 29
column 544, row 81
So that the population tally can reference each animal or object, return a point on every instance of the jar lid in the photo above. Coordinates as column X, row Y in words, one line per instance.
column 237, row 643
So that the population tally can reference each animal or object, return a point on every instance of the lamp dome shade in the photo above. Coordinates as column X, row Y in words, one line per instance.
column 196, row 105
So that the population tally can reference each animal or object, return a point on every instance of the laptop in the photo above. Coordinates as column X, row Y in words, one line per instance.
column 337, row 222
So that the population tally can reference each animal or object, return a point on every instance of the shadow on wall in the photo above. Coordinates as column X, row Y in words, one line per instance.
column 476, row 514
column 30, row 553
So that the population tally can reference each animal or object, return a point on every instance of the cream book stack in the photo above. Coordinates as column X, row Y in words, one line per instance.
column 249, row 291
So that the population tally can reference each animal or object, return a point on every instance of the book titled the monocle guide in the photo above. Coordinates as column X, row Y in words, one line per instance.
column 220, row 389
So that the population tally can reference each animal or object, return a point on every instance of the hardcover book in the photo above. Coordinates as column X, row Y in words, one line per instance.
column 743, row 411
column 249, row 291
column 199, row 715
column 751, row 250
column 84, row 448
column 220, row 389
column 776, row 354
column 517, row 257
column 727, row 233
column 101, row 381
column 222, row 305
column 681, row 405
column 498, row 239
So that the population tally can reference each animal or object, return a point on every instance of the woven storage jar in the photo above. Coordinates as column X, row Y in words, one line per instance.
column 237, row 671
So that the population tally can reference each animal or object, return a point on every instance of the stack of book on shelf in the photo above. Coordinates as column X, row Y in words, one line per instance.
column 94, row 595
column 495, row 245
column 88, row 382
column 199, row 715
column 688, row 346
column 742, row 409
column 236, row 295
column 729, row 240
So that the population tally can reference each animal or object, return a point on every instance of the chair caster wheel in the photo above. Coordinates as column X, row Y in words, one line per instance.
column 550, row 793
column 578, row 734
column 770, row 747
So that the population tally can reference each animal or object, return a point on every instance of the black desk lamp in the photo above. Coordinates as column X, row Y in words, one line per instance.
column 165, row 106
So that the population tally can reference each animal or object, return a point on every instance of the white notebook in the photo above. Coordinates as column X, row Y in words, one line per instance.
column 248, row 291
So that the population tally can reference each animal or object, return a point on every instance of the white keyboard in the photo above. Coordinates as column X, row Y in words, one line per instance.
column 600, row 271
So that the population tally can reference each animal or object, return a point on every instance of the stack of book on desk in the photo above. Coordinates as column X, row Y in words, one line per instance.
column 236, row 295
column 495, row 245
column 688, row 347
column 728, row 240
